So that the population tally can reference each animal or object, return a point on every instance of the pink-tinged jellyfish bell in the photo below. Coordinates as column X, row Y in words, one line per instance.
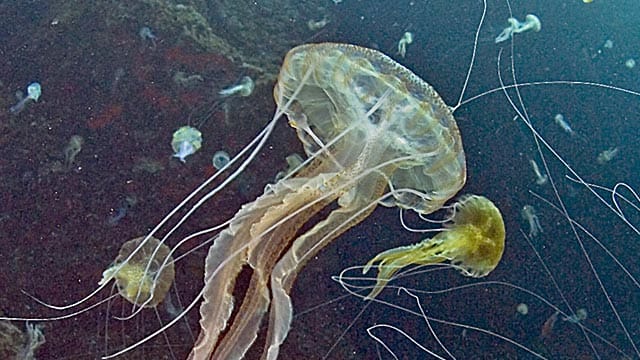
column 186, row 141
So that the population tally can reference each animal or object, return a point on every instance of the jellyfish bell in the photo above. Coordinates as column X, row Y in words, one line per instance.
column 531, row 22
column 143, row 271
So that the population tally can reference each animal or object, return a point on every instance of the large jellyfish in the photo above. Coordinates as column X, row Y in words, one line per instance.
column 375, row 133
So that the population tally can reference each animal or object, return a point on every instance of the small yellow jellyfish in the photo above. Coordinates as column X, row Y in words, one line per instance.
column 186, row 141
column 147, row 276
column 473, row 241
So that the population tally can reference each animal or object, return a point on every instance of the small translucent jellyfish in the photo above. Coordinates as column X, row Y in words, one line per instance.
column 564, row 124
column 146, row 34
column 473, row 242
column 146, row 277
column 531, row 22
column 34, row 90
column 186, row 141
column 72, row 150
column 608, row 44
column 220, row 159
column 522, row 309
column 528, row 213
column 541, row 178
column 630, row 63
column 580, row 315
column 406, row 39
column 314, row 25
column 607, row 155
column 243, row 88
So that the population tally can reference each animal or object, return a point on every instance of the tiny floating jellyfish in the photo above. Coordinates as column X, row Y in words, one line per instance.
column 531, row 22
column 528, row 213
column 608, row 44
column 580, row 315
column 522, row 309
column 243, row 88
column 16, row 344
column 314, row 25
column 186, row 141
column 473, row 242
column 147, row 276
column 607, row 155
column 72, row 150
column 541, row 178
column 34, row 90
column 220, row 159
column 630, row 63
column 559, row 119
column 146, row 34
column 406, row 39
column 293, row 162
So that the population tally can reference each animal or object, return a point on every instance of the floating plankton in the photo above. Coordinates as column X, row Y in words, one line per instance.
column 34, row 90
column 531, row 22
column 407, row 38
column 220, row 159
column 607, row 155
column 186, row 141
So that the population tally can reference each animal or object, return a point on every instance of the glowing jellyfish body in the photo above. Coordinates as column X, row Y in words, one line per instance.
column 145, row 278
column 473, row 241
column 376, row 134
